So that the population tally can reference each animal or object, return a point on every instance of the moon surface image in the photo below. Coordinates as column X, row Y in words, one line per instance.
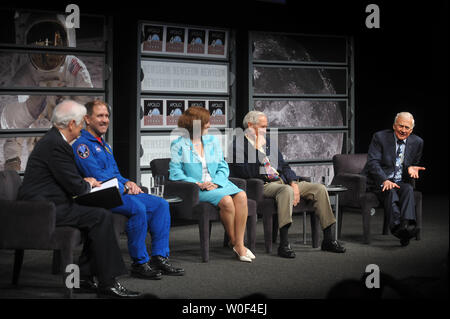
column 293, row 113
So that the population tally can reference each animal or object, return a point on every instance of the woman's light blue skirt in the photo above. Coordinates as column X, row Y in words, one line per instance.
column 216, row 195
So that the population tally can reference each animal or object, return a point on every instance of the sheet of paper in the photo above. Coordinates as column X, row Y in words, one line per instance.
column 110, row 183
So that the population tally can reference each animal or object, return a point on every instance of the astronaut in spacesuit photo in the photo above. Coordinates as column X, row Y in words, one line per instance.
column 41, row 69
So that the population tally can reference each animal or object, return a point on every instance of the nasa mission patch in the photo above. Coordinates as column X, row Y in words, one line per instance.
column 83, row 151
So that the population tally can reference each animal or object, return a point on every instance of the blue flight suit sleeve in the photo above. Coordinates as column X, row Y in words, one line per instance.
column 116, row 171
column 90, row 165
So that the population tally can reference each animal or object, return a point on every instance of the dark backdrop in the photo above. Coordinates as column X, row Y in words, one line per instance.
column 401, row 66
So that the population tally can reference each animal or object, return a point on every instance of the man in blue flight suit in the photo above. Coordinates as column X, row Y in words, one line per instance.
column 94, row 157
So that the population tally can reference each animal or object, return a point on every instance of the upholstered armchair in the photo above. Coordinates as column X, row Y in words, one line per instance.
column 27, row 225
column 203, row 213
column 267, row 208
column 347, row 172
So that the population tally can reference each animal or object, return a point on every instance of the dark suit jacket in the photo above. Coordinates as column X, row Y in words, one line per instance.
column 244, row 168
column 381, row 157
column 51, row 173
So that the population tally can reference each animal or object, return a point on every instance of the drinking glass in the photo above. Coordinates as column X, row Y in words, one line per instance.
column 326, row 179
column 153, row 187
column 154, row 190
column 160, row 182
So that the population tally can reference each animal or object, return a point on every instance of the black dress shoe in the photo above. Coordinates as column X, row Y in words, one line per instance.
column 404, row 242
column 286, row 251
column 162, row 264
column 332, row 246
column 117, row 291
column 87, row 285
column 405, row 230
column 412, row 230
column 144, row 271
column 395, row 230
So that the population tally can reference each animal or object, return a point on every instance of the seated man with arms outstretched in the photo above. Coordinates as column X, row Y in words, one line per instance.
column 392, row 163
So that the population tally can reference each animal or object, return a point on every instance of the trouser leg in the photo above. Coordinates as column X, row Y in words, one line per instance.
column 390, row 200
column 284, row 235
column 407, row 203
column 102, row 254
column 319, row 194
column 399, row 203
column 84, row 259
column 158, row 223
column 284, row 196
column 136, row 227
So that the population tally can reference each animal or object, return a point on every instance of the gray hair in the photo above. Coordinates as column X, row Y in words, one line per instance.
column 67, row 111
column 252, row 117
column 404, row 114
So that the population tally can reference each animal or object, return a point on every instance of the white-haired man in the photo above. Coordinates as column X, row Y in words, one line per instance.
column 253, row 158
column 51, row 174
column 392, row 162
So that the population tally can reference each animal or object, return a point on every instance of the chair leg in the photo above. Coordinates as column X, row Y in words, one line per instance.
column 386, row 222
column 340, row 217
column 18, row 261
column 315, row 230
column 204, row 232
column 226, row 239
column 268, row 226
column 251, row 232
column 56, row 263
column 66, row 258
column 210, row 228
column 304, row 228
column 275, row 229
column 366, row 224
column 418, row 234
column 418, row 202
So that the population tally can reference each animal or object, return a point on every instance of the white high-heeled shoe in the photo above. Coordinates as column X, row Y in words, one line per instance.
column 242, row 258
column 250, row 255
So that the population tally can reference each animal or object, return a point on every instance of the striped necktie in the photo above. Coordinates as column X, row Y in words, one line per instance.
column 271, row 172
column 399, row 161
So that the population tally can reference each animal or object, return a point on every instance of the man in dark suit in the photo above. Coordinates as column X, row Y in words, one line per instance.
column 51, row 175
column 392, row 164
column 254, row 157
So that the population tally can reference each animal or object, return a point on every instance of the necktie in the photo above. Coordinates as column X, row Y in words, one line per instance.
column 271, row 172
column 399, row 161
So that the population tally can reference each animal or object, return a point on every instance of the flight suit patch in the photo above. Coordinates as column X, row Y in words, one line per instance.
column 83, row 151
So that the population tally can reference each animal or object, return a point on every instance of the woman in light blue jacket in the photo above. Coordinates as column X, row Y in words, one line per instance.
column 199, row 159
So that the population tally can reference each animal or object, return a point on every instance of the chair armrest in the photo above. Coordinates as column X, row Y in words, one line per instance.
column 239, row 182
column 356, row 184
column 144, row 189
column 188, row 191
column 26, row 224
column 255, row 189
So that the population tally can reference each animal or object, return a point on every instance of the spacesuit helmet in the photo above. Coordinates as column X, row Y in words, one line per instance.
column 49, row 33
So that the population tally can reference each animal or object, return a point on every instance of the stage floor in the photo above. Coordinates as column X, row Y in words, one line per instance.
column 422, row 266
